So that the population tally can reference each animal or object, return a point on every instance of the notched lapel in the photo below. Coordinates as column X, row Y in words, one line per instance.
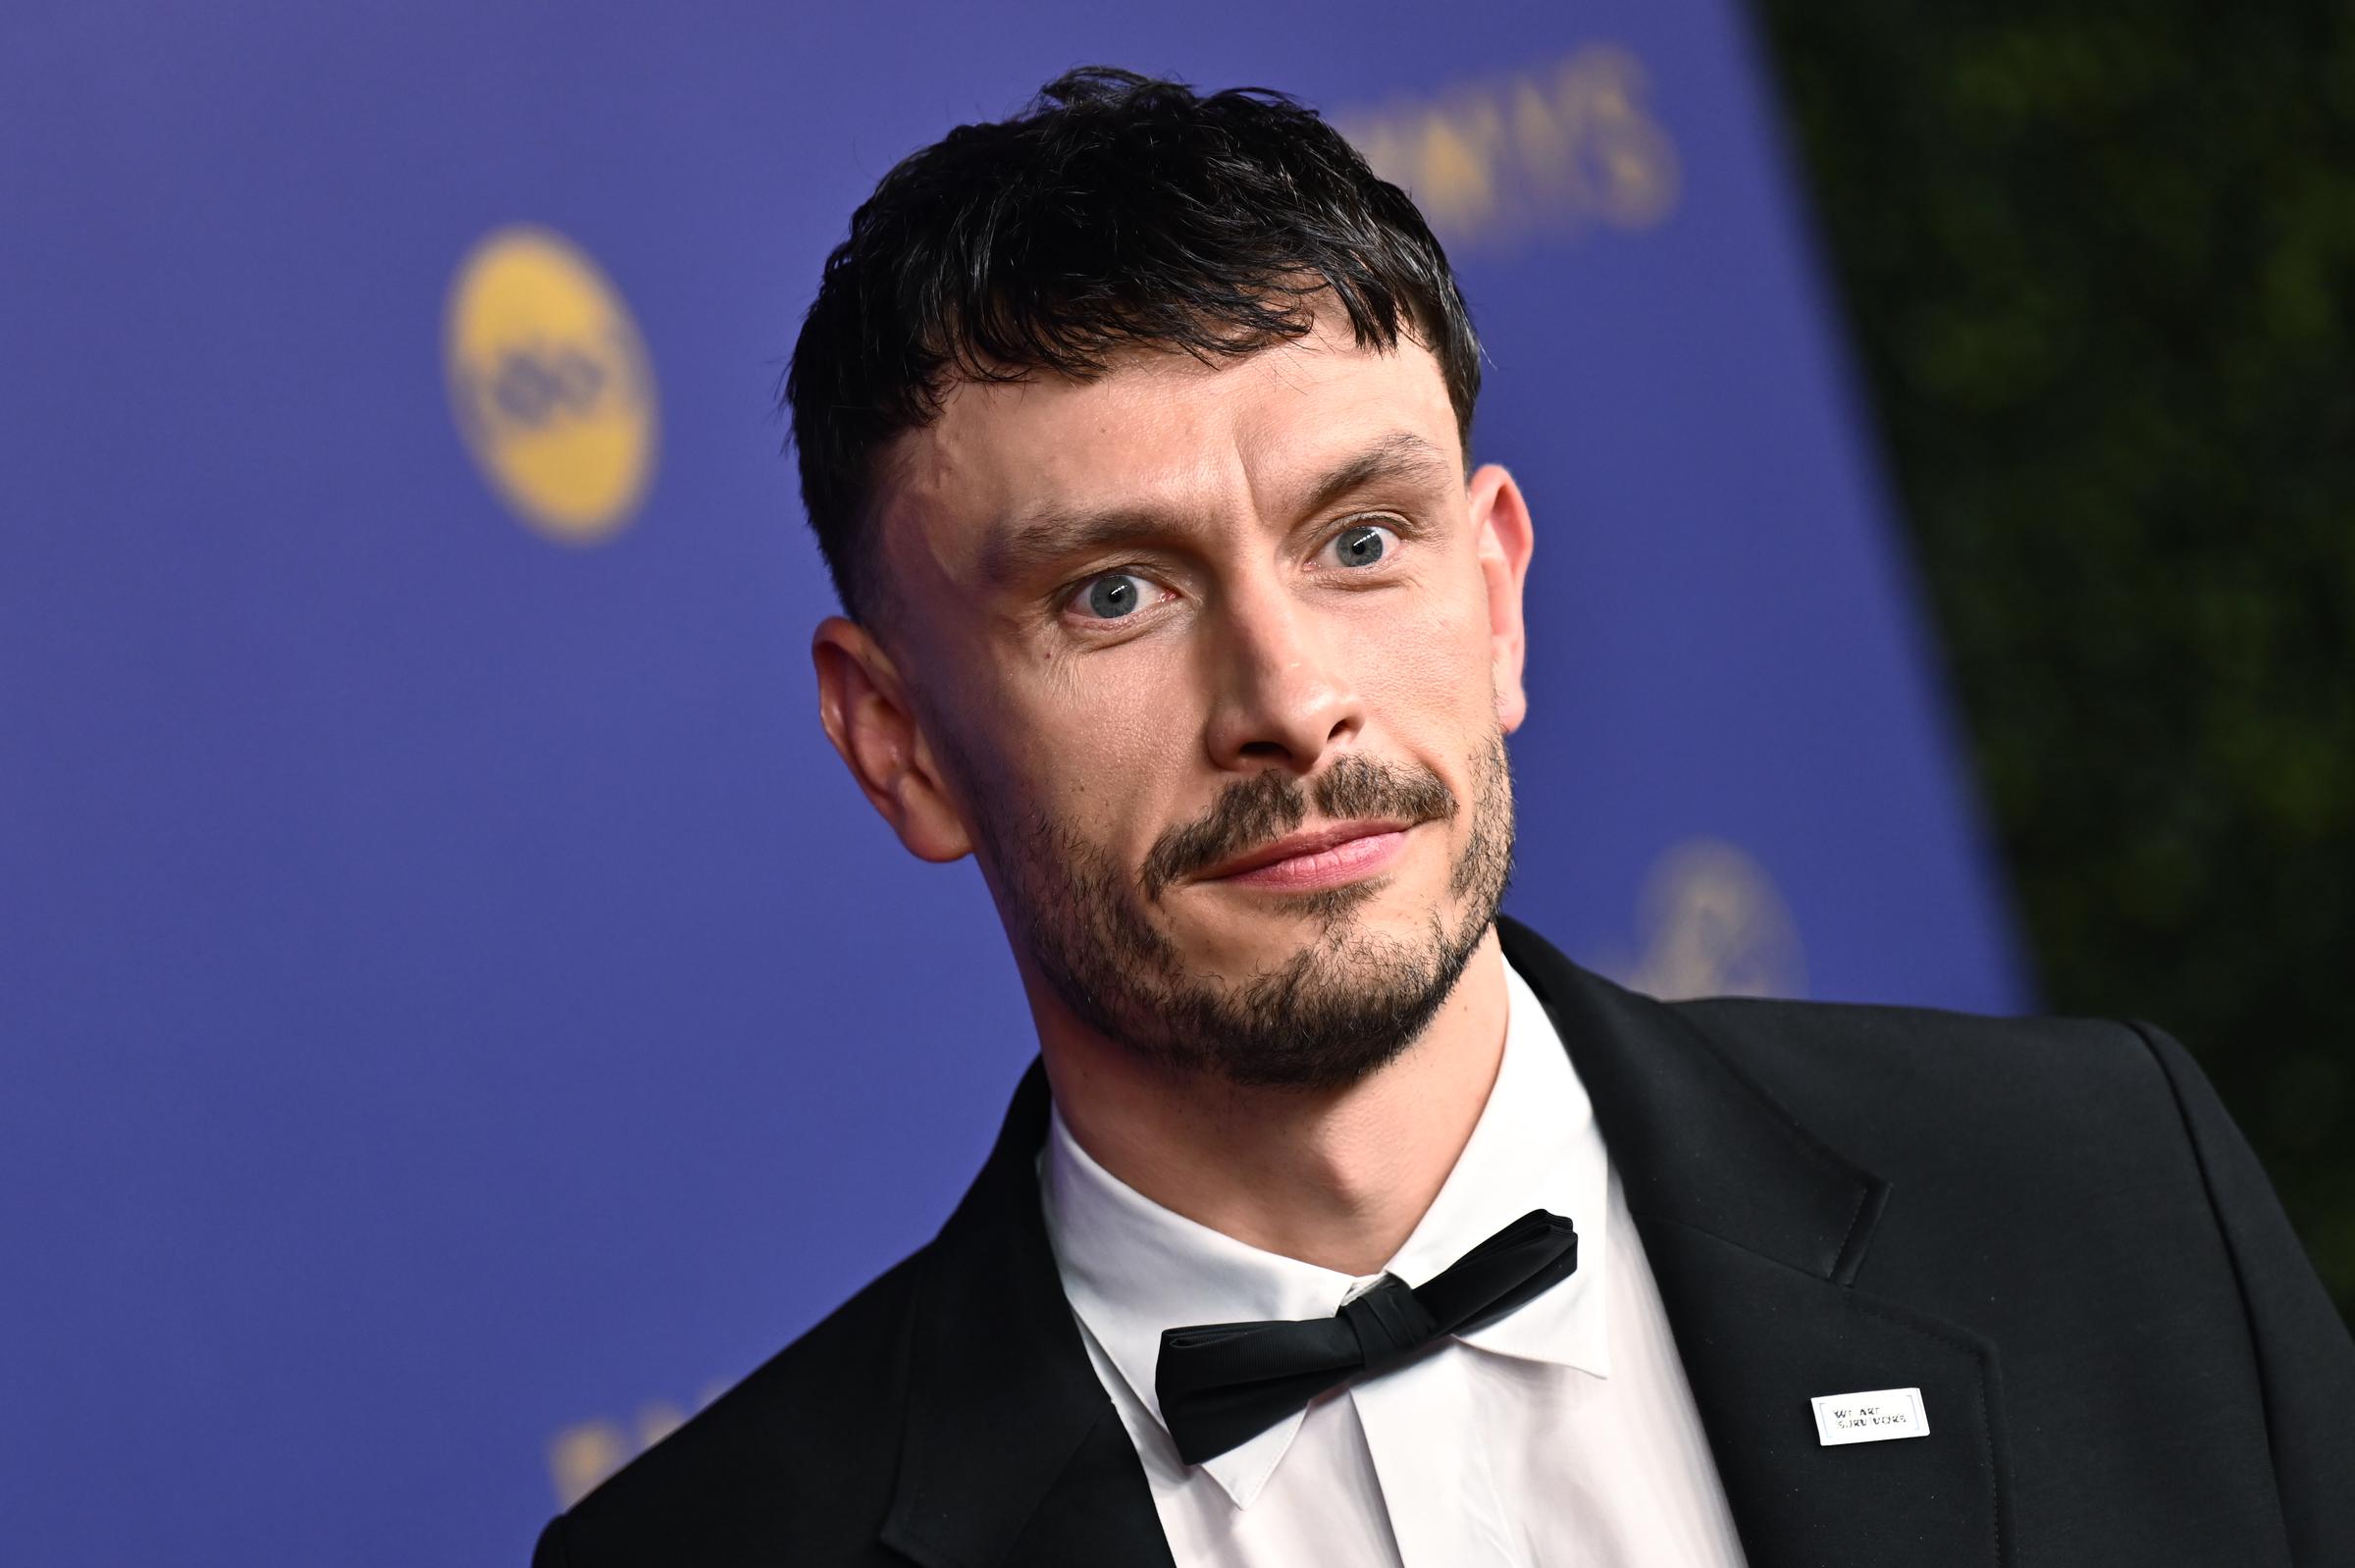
column 1759, row 1341
column 1754, row 1231
column 1013, row 1455
column 1099, row 1511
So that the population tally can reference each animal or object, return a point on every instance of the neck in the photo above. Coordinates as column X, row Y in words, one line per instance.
column 1334, row 1178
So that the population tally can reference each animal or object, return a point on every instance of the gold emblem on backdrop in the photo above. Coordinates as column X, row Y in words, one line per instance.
column 1710, row 921
column 550, row 384
column 1555, row 149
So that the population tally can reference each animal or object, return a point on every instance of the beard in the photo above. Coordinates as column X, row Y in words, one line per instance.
column 1346, row 1004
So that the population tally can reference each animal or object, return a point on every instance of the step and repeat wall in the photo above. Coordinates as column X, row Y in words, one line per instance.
column 458, row 1013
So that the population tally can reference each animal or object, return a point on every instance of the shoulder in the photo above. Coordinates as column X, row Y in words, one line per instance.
column 797, row 1458
column 1874, row 1052
column 1835, row 1064
column 2006, row 1107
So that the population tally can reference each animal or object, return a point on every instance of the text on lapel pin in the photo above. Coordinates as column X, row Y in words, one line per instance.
column 1873, row 1417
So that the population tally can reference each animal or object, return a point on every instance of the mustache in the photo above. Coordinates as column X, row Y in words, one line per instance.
column 1262, row 808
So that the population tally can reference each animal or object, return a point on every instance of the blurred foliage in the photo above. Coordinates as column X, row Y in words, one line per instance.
column 2100, row 261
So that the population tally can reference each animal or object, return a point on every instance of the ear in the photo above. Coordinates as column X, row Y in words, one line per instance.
column 1501, row 525
column 864, row 708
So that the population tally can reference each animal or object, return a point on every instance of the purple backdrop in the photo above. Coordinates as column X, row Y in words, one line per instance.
column 458, row 1011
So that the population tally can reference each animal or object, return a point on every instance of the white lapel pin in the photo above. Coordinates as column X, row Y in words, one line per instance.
column 1873, row 1417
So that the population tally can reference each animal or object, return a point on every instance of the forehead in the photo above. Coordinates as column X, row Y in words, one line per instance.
column 1159, row 430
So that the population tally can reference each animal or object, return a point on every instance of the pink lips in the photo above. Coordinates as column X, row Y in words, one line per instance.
column 1322, row 861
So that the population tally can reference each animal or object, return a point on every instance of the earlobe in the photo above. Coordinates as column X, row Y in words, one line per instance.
column 1500, row 519
column 865, row 709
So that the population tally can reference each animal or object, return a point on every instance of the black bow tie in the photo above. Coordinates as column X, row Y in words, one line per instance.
column 1223, row 1383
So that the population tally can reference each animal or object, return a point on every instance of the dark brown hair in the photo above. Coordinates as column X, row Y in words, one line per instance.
column 1116, row 211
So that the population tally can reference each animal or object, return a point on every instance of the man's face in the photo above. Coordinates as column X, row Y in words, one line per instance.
column 1214, row 663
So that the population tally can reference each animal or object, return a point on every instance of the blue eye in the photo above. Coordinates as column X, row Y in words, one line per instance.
column 1112, row 595
column 1361, row 543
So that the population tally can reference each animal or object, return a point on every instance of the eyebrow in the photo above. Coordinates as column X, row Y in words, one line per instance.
column 1403, row 456
column 1014, row 552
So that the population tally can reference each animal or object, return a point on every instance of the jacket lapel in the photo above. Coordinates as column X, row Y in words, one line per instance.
column 1754, row 1232
column 1013, row 1451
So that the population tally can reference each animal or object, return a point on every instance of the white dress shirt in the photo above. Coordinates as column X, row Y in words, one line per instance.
column 1561, row 1434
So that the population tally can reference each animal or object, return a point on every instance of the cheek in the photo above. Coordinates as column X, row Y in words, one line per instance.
column 1096, row 740
column 1427, row 655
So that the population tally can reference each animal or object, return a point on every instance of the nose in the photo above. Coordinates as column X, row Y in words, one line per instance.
column 1284, row 691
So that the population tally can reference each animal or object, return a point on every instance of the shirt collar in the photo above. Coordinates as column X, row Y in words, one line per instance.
column 1131, row 1268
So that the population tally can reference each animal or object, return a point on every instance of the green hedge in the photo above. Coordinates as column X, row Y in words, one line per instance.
column 2102, row 277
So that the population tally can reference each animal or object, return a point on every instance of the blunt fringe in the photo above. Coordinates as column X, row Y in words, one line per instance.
column 1115, row 211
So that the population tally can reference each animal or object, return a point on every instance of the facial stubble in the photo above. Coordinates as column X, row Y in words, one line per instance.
column 1339, row 1009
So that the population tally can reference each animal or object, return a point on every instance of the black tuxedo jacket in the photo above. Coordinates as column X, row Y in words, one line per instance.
column 2050, row 1228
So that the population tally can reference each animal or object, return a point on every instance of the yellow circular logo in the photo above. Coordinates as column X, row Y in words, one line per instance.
column 550, row 384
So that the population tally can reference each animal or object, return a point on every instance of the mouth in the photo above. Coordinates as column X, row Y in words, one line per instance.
column 1319, row 858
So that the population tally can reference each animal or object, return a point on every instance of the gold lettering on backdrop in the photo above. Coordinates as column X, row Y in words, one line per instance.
column 1559, row 148
column 658, row 1422
column 581, row 1456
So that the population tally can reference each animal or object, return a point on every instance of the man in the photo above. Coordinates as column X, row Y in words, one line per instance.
column 1342, row 1221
